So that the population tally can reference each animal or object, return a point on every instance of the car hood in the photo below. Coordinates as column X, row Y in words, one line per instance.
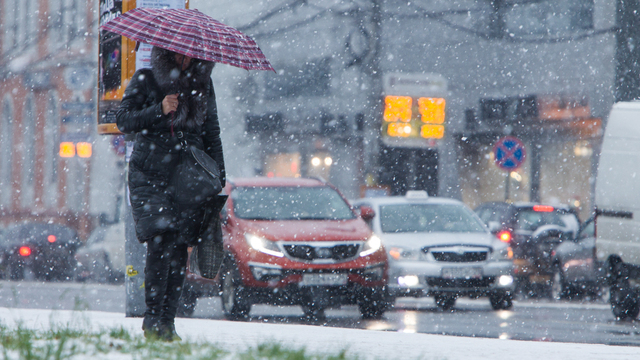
column 308, row 230
column 421, row 240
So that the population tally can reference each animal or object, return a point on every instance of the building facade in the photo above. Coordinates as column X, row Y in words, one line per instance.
column 52, row 158
column 327, row 98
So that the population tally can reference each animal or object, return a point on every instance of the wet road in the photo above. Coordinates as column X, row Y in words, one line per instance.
column 539, row 320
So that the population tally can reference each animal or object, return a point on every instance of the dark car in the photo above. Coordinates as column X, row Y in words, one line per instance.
column 39, row 251
column 293, row 241
column 577, row 272
column 518, row 225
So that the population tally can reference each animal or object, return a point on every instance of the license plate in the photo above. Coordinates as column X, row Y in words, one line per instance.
column 323, row 279
column 462, row 273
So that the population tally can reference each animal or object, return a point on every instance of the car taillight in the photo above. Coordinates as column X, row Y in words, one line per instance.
column 51, row 238
column 24, row 251
column 504, row 236
column 543, row 208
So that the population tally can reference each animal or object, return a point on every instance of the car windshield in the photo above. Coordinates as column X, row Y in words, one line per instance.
column 428, row 218
column 530, row 220
column 290, row 203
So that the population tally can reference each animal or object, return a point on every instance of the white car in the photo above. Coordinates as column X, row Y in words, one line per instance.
column 102, row 258
column 438, row 247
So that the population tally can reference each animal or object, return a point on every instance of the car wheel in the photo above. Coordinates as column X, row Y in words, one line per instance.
column 373, row 303
column 445, row 302
column 624, row 302
column 188, row 301
column 559, row 289
column 312, row 312
column 501, row 301
column 235, row 304
column 14, row 271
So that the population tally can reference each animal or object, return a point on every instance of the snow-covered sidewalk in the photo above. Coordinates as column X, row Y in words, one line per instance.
column 366, row 344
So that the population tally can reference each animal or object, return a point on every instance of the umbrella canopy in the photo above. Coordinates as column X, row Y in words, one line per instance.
column 192, row 33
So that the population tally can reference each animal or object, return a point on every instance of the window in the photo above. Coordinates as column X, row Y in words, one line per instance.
column 290, row 203
column 311, row 79
column 6, row 147
column 66, row 20
column 554, row 18
column 428, row 218
column 51, row 139
column 13, row 24
column 28, row 152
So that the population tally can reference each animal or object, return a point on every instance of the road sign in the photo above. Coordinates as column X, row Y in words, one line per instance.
column 509, row 153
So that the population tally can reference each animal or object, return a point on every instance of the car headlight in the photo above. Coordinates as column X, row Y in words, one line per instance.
column 263, row 245
column 370, row 246
column 401, row 254
column 505, row 253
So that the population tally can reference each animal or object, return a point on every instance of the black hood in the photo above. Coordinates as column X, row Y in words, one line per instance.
column 192, row 85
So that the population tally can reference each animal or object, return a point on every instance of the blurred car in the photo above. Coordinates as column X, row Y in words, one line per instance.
column 293, row 241
column 102, row 257
column 438, row 247
column 576, row 270
column 39, row 251
column 516, row 224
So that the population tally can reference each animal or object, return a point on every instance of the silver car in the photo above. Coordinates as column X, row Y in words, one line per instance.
column 438, row 247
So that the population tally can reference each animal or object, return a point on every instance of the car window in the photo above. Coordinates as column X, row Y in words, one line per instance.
column 530, row 220
column 290, row 203
column 97, row 236
column 589, row 230
column 402, row 218
column 485, row 214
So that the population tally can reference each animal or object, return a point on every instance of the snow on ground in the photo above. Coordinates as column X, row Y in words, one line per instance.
column 367, row 344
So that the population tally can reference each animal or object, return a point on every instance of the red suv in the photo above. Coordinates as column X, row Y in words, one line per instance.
column 294, row 241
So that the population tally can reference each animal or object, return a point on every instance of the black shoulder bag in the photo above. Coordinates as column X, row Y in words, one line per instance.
column 197, row 177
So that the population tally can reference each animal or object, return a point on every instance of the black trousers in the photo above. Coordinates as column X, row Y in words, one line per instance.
column 164, row 276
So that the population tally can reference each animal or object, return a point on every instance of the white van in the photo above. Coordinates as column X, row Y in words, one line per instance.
column 618, row 208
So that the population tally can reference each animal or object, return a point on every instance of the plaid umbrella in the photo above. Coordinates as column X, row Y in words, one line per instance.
column 192, row 33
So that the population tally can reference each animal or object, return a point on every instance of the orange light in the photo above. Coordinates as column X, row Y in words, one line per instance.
column 399, row 130
column 432, row 131
column 84, row 149
column 504, row 236
column 394, row 253
column 51, row 238
column 543, row 208
column 25, row 251
column 397, row 108
column 67, row 149
column 432, row 110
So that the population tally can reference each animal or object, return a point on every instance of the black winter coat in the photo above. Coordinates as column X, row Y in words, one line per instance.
column 156, row 153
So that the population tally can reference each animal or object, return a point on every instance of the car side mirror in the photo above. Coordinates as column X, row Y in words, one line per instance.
column 494, row 226
column 367, row 213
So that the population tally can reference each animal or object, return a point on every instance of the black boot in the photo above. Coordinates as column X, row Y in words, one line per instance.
column 167, row 332
column 150, row 326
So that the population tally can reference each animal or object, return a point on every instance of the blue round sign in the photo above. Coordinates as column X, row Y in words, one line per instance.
column 509, row 153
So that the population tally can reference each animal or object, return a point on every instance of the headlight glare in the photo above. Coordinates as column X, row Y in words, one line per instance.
column 401, row 254
column 502, row 254
column 263, row 245
column 370, row 246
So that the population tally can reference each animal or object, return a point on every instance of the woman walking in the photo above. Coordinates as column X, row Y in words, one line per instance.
column 164, row 106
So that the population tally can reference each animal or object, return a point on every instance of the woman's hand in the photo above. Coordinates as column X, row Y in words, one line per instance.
column 169, row 104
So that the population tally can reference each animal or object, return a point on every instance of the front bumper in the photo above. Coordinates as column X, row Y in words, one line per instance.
column 419, row 278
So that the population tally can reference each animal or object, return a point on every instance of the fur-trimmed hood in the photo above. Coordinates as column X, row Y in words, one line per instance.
column 192, row 85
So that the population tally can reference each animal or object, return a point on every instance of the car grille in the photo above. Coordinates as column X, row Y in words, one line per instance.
column 467, row 256
column 460, row 283
column 332, row 253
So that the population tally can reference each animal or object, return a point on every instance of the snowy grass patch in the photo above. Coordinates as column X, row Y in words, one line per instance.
column 66, row 342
